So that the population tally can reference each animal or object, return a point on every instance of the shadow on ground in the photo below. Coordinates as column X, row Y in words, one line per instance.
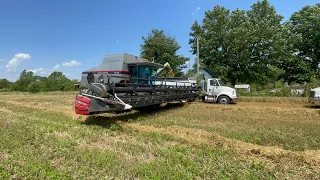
column 312, row 106
column 114, row 122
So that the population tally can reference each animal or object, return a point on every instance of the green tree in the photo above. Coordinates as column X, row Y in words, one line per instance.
column 4, row 84
column 35, row 87
column 28, row 82
column 23, row 81
column 212, row 36
column 57, row 81
column 295, row 68
column 162, row 49
column 265, row 41
column 306, row 22
column 69, row 85
column 240, row 46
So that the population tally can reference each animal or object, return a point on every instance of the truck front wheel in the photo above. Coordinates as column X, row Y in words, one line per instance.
column 223, row 100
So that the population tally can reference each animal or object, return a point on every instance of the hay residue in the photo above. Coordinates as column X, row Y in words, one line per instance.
column 270, row 154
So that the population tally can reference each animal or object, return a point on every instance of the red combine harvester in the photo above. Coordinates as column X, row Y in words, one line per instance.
column 124, row 82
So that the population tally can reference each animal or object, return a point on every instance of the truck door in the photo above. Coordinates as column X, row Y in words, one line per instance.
column 214, row 86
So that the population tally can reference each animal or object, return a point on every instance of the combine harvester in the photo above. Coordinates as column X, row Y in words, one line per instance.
column 124, row 82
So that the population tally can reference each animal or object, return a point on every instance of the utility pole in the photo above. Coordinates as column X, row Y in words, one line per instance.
column 198, row 65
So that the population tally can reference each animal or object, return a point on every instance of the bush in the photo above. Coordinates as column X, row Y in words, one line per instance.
column 35, row 87
column 283, row 92
column 310, row 86
column 5, row 90
column 243, row 92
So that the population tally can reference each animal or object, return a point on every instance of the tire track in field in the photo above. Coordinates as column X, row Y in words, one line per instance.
column 270, row 154
column 49, row 107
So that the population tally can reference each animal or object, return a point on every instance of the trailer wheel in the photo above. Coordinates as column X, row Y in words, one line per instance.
column 223, row 99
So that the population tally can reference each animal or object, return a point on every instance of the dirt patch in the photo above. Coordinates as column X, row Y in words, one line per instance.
column 62, row 135
column 3, row 156
column 4, row 110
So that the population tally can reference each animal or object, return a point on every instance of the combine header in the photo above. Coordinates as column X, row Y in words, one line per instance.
column 124, row 82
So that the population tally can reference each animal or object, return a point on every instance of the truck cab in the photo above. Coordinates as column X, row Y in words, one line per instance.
column 217, row 92
column 314, row 97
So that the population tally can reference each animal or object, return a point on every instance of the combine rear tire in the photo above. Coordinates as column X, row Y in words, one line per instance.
column 223, row 100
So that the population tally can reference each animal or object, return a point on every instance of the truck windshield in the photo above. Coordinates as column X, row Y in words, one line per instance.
column 221, row 83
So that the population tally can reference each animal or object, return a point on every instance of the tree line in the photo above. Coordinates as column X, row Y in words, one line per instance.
column 254, row 46
column 28, row 82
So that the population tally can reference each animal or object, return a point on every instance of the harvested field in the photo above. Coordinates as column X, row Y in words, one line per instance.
column 258, row 138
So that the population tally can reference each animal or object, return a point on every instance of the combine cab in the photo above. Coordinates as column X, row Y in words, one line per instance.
column 124, row 82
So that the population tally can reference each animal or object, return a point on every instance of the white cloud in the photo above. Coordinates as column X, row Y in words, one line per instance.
column 57, row 66
column 39, row 70
column 71, row 63
column 198, row 8
column 2, row 60
column 16, row 61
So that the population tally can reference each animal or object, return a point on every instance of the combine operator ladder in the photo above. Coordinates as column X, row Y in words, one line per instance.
column 105, row 95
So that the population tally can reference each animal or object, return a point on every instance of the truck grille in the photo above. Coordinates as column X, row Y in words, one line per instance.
column 312, row 94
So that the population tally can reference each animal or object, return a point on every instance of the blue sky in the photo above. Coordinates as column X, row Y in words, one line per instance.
column 72, row 36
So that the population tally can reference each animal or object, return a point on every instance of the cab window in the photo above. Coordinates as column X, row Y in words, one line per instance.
column 143, row 74
column 211, row 82
column 214, row 82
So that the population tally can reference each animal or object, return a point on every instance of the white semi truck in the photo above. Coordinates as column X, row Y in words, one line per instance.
column 314, row 97
column 213, row 89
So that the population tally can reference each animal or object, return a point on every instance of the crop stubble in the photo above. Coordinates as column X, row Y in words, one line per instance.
column 283, row 134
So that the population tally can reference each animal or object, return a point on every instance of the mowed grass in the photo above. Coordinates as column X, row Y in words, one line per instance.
column 42, row 138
